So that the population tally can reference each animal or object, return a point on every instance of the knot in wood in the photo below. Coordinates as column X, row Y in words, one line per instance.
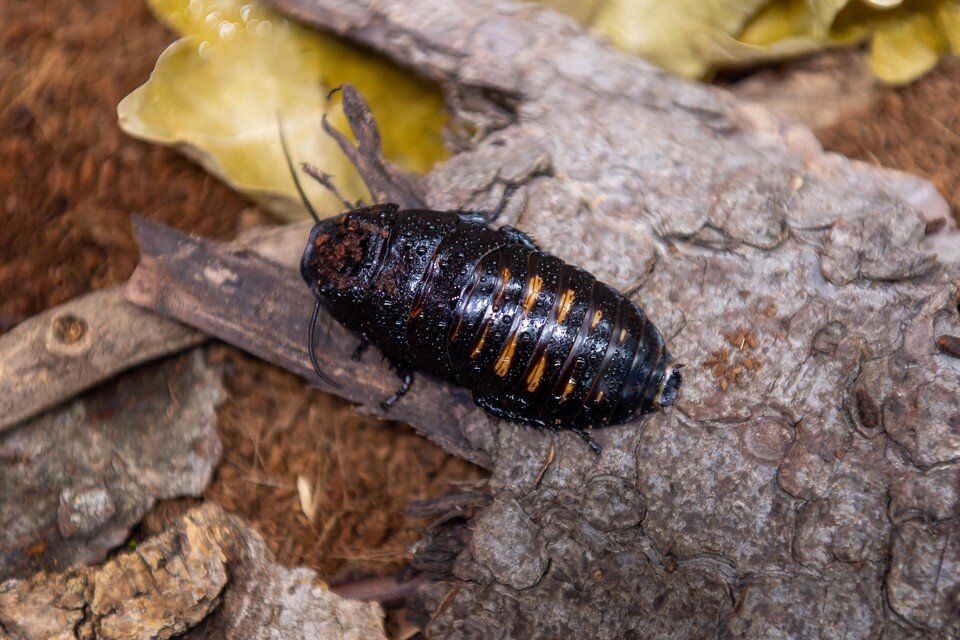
column 69, row 329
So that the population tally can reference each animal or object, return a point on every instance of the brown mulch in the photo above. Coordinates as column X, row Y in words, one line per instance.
column 361, row 472
column 914, row 128
column 70, row 179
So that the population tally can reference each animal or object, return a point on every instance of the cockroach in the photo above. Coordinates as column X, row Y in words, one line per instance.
column 538, row 341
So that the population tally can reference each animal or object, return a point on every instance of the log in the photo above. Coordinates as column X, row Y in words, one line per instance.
column 805, row 295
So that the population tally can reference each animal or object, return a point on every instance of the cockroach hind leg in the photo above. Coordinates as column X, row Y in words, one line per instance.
column 508, row 192
column 597, row 449
column 490, row 406
column 483, row 216
column 519, row 237
column 473, row 217
column 406, row 381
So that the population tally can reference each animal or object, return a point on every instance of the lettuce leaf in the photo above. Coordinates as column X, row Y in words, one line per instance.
column 216, row 94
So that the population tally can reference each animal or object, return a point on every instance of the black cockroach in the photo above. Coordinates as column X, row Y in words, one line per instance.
column 537, row 340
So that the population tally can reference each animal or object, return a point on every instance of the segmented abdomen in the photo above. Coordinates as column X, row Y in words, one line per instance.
column 547, row 341
column 534, row 338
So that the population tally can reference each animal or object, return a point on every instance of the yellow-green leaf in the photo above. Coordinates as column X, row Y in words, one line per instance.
column 905, row 50
column 673, row 34
column 948, row 20
column 216, row 94
column 694, row 37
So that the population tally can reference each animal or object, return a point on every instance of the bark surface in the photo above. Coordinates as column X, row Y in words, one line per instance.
column 75, row 480
column 806, row 483
column 66, row 350
column 208, row 576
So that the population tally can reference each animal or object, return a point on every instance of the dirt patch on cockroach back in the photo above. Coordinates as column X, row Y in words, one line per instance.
column 71, row 179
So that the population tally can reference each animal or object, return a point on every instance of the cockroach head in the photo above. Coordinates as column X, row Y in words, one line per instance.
column 342, row 253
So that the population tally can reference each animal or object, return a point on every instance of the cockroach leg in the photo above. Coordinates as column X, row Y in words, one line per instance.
column 519, row 237
column 597, row 449
column 358, row 352
column 406, row 380
column 326, row 180
column 482, row 216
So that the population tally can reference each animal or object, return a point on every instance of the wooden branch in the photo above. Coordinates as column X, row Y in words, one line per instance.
column 55, row 355
column 66, row 350
column 264, row 309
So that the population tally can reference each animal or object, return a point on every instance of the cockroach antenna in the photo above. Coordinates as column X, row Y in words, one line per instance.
column 293, row 173
column 311, row 334
column 326, row 180
column 312, row 331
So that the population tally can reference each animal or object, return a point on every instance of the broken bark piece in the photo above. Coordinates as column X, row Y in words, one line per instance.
column 282, row 244
column 387, row 590
column 208, row 576
column 949, row 345
column 61, row 352
column 817, row 91
column 89, row 470
column 264, row 309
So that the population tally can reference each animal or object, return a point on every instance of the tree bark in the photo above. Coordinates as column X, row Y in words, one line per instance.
column 805, row 484
column 209, row 576
column 75, row 480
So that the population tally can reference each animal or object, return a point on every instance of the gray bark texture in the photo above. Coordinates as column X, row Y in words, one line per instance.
column 75, row 480
column 208, row 576
column 806, row 483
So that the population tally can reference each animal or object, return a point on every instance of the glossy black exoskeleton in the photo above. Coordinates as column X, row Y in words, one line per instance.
column 536, row 340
